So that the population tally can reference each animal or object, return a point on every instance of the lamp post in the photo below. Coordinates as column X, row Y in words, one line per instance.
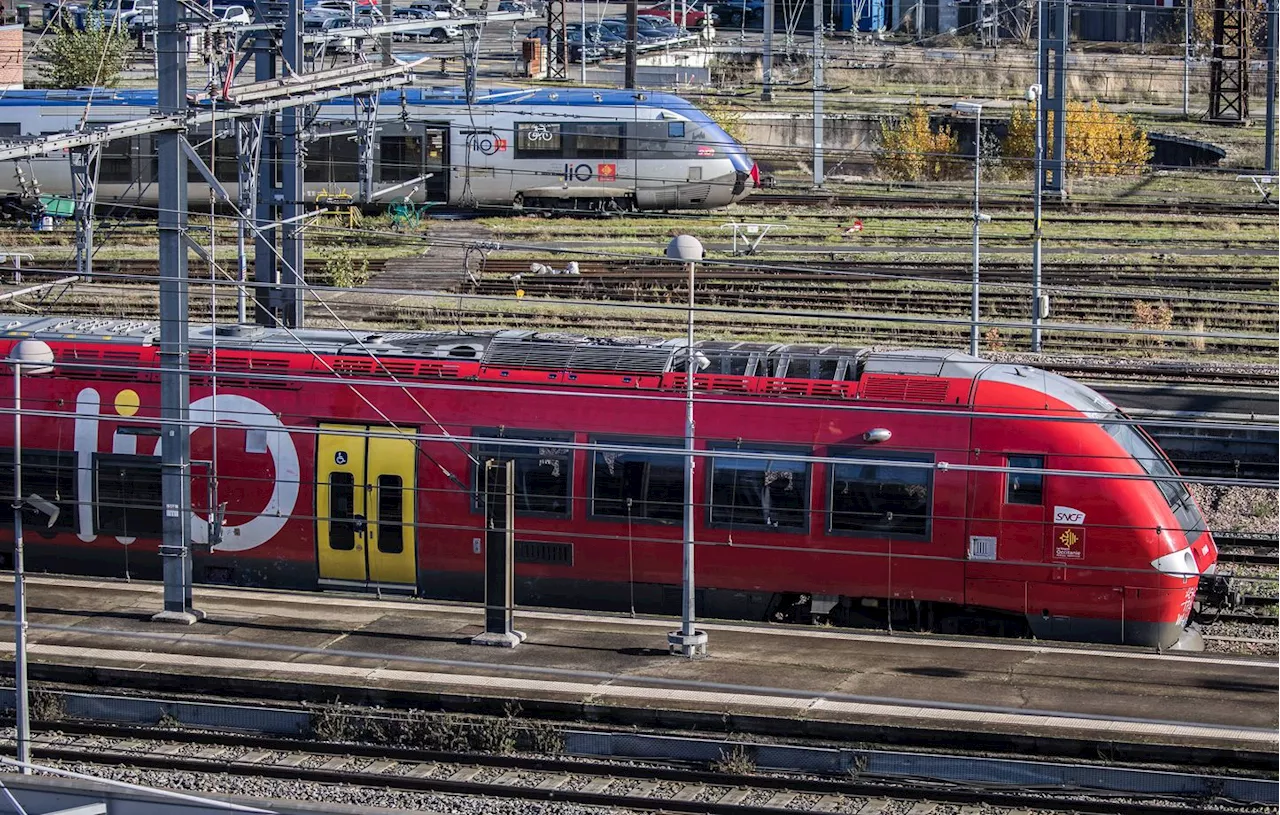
column 688, row 641
column 976, row 109
column 37, row 358
column 1037, row 227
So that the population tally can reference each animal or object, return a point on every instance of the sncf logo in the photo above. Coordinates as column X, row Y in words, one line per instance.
column 221, row 408
column 1067, row 515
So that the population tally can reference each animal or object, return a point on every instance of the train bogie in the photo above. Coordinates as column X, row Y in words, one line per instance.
column 931, row 490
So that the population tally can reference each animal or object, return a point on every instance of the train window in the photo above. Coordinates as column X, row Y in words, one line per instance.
column 543, row 472
column 881, row 499
column 128, row 495
column 1024, row 488
column 401, row 158
column 390, row 514
column 49, row 474
column 657, row 140
column 537, row 140
column 342, row 518
column 1136, row 444
column 226, row 159
column 319, row 159
column 344, row 159
column 640, row 486
column 597, row 141
column 115, row 165
column 762, row 492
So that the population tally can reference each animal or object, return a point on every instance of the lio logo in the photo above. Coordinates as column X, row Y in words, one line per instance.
column 235, row 408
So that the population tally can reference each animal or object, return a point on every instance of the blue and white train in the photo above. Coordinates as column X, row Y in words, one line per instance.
column 569, row 148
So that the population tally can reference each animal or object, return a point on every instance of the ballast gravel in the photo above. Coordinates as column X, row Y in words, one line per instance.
column 300, row 791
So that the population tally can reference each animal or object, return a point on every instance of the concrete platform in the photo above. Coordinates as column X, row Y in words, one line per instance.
column 418, row 651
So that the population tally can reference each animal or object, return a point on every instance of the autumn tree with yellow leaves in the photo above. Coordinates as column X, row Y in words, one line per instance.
column 1099, row 142
column 911, row 151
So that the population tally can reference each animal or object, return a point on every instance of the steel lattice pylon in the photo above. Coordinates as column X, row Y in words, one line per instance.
column 557, row 46
column 1229, row 69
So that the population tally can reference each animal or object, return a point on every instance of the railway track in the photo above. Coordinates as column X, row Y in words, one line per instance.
column 1211, row 277
column 781, row 196
column 1258, row 550
column 616, row 786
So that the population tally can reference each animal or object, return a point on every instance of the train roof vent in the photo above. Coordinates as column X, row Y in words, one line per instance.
column 505, row 353
column 904, row 388
column 241, row 331
column 632, row 359
column 115, row 364
column 270, row 372
column 918, row 363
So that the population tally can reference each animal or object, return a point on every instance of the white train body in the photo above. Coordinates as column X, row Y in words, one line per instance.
column 560, row 148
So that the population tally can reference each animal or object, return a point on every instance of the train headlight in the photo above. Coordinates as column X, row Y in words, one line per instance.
column 1181, row 563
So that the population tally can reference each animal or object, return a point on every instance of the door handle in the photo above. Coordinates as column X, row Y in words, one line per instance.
column 358, row 523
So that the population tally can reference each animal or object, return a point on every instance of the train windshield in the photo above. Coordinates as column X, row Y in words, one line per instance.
column 1149, row 457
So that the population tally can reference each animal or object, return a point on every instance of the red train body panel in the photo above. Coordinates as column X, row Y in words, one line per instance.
column 348, row 462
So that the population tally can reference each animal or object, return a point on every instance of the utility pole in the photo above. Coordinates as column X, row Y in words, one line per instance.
column 629, row 77
column 291, row 191
column 388, row 14
column 1273, row 45
column 1037, row 226
column 819, row 79
column 582, row 16
column 688, row 641
column 175, row 395
column 1055, row 25
column 1186, row 57
column 766, row 55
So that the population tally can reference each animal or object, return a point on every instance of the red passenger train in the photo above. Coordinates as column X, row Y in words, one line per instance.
column 924, row 488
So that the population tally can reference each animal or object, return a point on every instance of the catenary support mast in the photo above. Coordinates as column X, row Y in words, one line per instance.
column 175, row 397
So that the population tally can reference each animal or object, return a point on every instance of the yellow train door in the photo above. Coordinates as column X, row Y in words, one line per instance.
column 365, row 511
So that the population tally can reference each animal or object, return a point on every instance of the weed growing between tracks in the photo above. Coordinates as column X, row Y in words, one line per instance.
column 738, row 761
column 47, row 707
column 440, row 732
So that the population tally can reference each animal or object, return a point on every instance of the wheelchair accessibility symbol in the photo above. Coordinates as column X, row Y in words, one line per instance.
column 340, row 458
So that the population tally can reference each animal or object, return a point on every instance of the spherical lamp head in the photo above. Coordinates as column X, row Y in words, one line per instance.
column 32, row 357
column 685, row 248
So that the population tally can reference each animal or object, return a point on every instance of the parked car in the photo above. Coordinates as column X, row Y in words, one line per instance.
column 437, row 33
column 737, row 12
column 328, row 23
column 574, row 40
column 684, row 13
column 232, row 14
column 517, row 6
column 141, row 23
column 443, row 9
column 119, row 13
column 658, row 26
column 366, row 12
column 600, row 35
column 644, row 36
